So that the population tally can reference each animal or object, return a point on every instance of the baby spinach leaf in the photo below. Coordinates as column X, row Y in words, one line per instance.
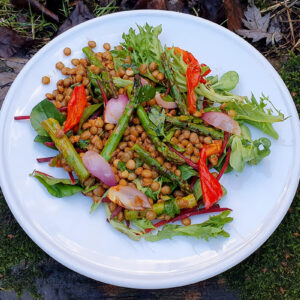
column 145, row 93
column 187, row 172
column 227, row 82
column 42, row 111
column 88, row 111
column 57, row 187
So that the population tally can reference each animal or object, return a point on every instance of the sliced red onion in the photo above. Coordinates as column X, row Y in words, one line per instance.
column 144, row 81
column 99, row 167
column 115, row 108
column 128, row 197
column 222, row 121
column 164, row 104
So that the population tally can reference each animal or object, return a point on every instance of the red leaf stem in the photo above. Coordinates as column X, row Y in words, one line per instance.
column 116, row 211
column 188, row 161
column 44, row 159
column 22, row 118
column 72, row 178
column 222, row 171
column 102, row 91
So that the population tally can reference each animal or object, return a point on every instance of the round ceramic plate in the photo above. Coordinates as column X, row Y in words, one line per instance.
column 259, row 197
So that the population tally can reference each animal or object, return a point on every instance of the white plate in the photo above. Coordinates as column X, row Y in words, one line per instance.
column 259, row 197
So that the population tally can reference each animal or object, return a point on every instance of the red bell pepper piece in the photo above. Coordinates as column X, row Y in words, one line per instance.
column 194, row 74
column 76, row 107
column 211, row 187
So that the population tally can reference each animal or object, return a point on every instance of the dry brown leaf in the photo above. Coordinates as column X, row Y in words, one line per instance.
column 259, row 27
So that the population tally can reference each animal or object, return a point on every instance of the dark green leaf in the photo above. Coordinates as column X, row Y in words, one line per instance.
column 88, row 111
column 57, row 187
column 147, row 92
column 42, row 111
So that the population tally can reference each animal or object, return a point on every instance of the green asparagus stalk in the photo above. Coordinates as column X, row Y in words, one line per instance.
column 160, row 208
column 104, row 76
column 137, row 97
column 66, row 148
column 149, row 160
column 160, row 146
column 174, row 88
column 199, row 128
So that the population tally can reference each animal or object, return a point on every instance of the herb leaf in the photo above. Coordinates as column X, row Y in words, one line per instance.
column 187, row 172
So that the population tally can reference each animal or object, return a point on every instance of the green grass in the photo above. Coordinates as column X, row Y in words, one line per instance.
column 19, row 256
column 273, row 272
column 25, row 22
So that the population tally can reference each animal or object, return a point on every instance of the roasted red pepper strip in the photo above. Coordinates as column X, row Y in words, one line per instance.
column 211, row 187
column 194, row 74
column 76, row 107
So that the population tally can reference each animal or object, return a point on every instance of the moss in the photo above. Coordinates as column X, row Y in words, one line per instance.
column 290, row 73
column 19, row 256
column 273, row 271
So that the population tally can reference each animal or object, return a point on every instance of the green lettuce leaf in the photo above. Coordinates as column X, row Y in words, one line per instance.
column 57, row 187
column 247, row 151
column 211, row 228
column 95, row 205
column 227, row 82
column 143, row 48
column 42, row 111
column 142, row 224
column 256, row 114
column 135, row 235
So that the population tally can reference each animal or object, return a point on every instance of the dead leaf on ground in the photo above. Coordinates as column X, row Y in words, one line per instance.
column 234, row 12
column 11, row 42
column 259, row 27
column 154, row 4
column 36, row 6
column 212, row 10
column 80, row 14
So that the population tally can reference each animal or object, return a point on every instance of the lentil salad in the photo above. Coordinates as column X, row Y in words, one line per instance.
column 165, row 126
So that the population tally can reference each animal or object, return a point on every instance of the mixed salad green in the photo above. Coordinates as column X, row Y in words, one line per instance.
column 149, row 133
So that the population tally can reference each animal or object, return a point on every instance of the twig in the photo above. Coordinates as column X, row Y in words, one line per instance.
column 290, row 23
column 283, row 9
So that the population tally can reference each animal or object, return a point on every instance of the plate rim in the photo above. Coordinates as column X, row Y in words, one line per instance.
column 144, row 283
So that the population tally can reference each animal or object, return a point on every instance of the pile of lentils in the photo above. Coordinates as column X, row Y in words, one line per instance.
column 97, row 132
